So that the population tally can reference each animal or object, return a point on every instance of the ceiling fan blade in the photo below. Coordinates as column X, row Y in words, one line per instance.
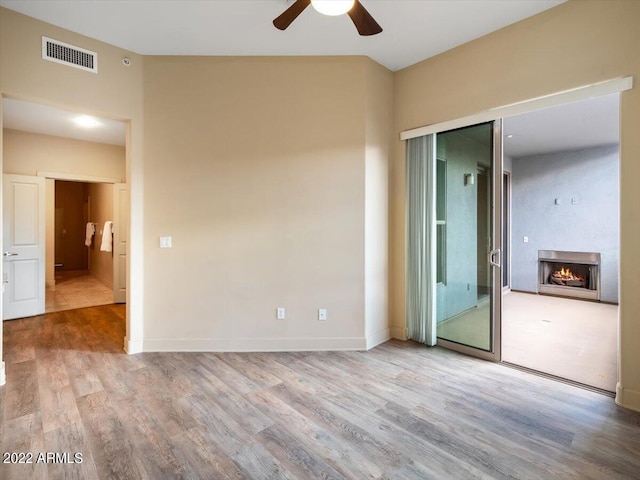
column 290, row 14
column 363, row 20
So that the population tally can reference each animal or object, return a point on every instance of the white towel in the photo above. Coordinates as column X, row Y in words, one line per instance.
column 106, row 237
column 91, row 229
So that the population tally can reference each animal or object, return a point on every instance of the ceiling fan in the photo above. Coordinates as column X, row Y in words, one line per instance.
column 361, row 18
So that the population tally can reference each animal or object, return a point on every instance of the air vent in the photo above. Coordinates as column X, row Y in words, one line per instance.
column 60, row 52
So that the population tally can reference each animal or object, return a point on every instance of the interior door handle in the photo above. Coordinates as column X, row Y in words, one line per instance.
column 495, row 257
column 9, row 254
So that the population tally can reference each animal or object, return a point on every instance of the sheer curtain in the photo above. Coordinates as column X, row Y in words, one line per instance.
column 421, row 240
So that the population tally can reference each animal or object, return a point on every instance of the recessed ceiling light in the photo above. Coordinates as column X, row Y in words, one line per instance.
column 86, row 121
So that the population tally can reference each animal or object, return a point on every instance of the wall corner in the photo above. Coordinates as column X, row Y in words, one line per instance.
column 627, row 398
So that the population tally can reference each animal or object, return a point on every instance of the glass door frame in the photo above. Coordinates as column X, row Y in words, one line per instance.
column 495, row 259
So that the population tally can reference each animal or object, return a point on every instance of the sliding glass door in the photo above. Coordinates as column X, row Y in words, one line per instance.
column 468, row 221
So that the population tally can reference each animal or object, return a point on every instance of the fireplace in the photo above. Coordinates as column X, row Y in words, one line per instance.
column 569, row 274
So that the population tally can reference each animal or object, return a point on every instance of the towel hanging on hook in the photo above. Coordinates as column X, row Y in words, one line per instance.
column 89, row 233
column 107, row 239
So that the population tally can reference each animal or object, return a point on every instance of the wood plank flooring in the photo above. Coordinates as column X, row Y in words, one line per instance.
column 399, row 411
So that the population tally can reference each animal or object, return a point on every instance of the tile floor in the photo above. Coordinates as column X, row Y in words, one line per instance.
column 76, row 289
column 574, row 339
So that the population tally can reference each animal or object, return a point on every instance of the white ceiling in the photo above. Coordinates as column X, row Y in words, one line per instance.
column 413, row 29
column 573, row 126
column 36, row 118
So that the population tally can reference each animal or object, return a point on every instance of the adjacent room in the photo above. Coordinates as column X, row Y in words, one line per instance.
column 560, row 315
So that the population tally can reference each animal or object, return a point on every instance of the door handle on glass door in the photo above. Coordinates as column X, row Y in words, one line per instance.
column 493, row 254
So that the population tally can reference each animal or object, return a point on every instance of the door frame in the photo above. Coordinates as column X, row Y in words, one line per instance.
column 83, row 179
column 506, row 226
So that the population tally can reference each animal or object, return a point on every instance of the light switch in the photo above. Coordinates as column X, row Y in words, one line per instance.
column 165, row 242
column 525, row 239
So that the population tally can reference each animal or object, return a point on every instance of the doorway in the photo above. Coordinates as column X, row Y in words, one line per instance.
column 83, row 265
column 510, row 236
column 560, row 317
column 81, row 165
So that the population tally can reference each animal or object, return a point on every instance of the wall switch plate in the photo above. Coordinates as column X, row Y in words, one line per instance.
column 525, row 239
column 280, row 313
column 322, row 314
column 165, row 242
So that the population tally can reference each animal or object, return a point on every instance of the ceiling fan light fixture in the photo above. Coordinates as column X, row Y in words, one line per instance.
column 333, row 7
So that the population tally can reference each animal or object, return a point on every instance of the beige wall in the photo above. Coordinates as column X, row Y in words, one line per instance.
column 574, row 44
column 100, row 211
column 256, row 168
column 29, row 153
column 115, row 92
column 378, row 129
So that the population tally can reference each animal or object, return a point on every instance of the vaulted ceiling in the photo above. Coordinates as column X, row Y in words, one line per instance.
column 413, row 29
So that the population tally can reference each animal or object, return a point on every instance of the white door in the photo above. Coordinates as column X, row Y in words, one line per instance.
column 23, row 246
column 120, row 235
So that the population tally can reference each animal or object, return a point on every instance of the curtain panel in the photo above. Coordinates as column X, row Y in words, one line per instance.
column 420, row 240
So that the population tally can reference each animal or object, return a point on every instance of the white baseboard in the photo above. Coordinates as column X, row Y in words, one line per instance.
column 378, row 338
column 131, row 347
column 628, row 398
column 399, row 332
column 3, row 377
column 252, row 344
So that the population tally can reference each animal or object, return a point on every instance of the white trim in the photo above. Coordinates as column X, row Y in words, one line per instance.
column 252, row 344
column 378, row 338
column 77, row 178
column 581, row 93
column 131, row 347
column 3, row 377
column 627, row 398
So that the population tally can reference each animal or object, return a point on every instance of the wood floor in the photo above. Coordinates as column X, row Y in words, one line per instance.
column 401, row 410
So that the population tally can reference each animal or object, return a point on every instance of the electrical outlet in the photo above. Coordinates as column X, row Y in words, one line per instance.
column 322, row 314
column 280, row 313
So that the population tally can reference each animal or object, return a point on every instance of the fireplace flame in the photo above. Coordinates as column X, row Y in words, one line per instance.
column 566, row 274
